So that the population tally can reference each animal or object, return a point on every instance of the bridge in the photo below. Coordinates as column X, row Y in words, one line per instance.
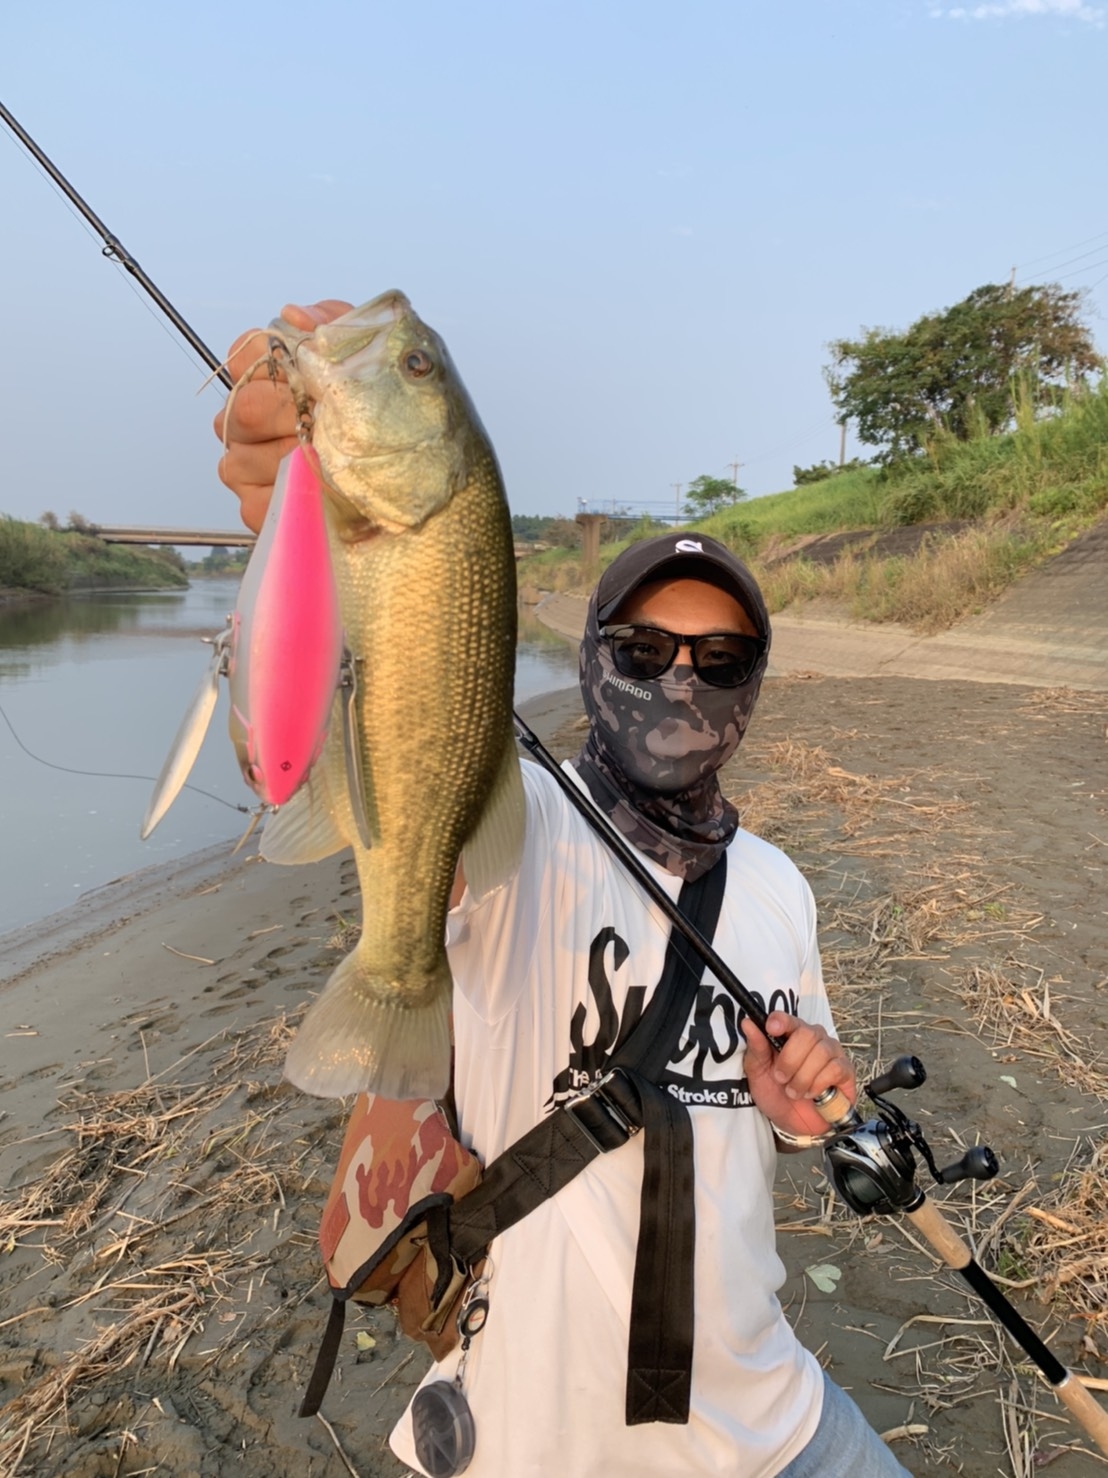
column 210, row 538
column 213, row 538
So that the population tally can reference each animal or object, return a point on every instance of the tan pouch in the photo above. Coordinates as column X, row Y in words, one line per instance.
column 399, row 1168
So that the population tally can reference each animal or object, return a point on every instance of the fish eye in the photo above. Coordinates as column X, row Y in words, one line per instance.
column 417, row 365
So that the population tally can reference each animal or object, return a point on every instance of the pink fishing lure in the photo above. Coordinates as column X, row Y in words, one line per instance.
column 286, row 638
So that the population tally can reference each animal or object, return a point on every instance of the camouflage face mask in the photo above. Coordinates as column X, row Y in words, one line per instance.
column 653, row 750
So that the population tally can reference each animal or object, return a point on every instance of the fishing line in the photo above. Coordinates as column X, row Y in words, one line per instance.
column 115, row 251
column 110, row 774
column 110, row 254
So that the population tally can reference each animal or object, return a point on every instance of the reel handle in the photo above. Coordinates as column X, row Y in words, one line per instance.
column 905, row 1072
column 979, row 1163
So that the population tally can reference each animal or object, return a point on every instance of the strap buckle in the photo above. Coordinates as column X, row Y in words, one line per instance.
column 601, row 1119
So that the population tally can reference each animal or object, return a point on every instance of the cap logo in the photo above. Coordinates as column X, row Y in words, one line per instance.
column 688, row 546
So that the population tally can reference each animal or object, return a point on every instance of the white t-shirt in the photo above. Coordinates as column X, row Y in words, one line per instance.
column 545, row 970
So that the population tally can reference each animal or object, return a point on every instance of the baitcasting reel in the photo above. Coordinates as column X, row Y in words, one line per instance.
column 871, row 1164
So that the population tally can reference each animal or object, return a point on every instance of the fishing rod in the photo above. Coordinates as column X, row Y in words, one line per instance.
column 115, row 251
column 869, row 1162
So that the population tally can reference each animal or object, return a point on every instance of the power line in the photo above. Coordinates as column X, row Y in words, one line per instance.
column 1034, row 260
column 1088, row 267
column 1092, row 252
column 801, row 439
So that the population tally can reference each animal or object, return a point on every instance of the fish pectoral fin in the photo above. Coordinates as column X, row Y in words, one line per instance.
column 357, row 1038
column 304, row 829
column 491, row 855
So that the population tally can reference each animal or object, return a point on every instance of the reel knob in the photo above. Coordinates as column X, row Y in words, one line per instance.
column 905, row 1072
column 978, row 1163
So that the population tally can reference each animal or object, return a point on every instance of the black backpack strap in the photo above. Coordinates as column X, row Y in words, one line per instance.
column 660, row 1343
column 559, row 1147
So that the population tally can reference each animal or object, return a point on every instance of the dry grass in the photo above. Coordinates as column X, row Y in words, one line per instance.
column 1050, row 702
column 941, row 901
column 169, row 1153
column 1013, row 1004
column 1065, row 1243
column 928, row 591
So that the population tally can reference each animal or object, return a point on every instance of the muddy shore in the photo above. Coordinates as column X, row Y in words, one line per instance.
column 160, row 1293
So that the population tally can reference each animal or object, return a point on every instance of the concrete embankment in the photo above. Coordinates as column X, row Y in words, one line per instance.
column 1049, row 630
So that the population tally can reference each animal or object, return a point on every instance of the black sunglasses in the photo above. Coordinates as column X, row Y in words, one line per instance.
column 724, row 658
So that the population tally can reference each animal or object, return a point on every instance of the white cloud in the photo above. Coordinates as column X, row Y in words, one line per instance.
column 1073, row 10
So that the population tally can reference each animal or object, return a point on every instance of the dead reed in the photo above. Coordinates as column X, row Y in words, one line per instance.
column 170, row 1156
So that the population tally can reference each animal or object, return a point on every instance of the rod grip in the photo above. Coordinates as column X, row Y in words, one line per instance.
column 1089, row 1414
column 928, row 1219
column 837, row 1109
column 1085, row 1411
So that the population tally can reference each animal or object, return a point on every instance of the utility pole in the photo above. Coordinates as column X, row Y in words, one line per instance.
column 677, row 486
column 734, row 466
column 842, row 441
column 590, row 543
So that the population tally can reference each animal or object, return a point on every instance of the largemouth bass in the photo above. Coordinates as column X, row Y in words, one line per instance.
column 422, row 551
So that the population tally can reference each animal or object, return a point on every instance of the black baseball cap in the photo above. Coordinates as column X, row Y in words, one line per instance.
column 677, row 556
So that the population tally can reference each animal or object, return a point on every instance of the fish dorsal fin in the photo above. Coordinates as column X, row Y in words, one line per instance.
column 491, row 855
column 304, row 829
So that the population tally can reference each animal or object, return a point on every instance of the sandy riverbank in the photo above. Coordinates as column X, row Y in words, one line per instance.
column 160, row 1185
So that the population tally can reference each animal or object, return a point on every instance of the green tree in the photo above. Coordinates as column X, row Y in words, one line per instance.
column 529, row 528
column 563, row 533
column 220, row 560
column 710, row 494
column 961, row 371
column 171, row 555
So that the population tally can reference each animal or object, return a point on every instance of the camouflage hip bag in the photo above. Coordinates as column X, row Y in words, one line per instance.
column 384, row 1234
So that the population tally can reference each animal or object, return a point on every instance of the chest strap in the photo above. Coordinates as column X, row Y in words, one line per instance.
column 625, row 1099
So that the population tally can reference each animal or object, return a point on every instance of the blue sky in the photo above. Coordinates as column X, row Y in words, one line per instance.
column 637, row 225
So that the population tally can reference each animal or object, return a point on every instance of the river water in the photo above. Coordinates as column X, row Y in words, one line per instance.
column 99, row 684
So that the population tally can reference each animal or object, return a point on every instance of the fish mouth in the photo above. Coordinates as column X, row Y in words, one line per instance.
column 355, row 348
column 338, row 342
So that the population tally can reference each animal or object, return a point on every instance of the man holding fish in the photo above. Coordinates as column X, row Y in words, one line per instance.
column 552, row 951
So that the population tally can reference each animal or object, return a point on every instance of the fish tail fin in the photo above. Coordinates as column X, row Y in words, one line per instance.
column 356, row 1038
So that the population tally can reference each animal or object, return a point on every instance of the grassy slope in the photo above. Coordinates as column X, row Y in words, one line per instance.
column 1029, row 491
column 37, row 559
